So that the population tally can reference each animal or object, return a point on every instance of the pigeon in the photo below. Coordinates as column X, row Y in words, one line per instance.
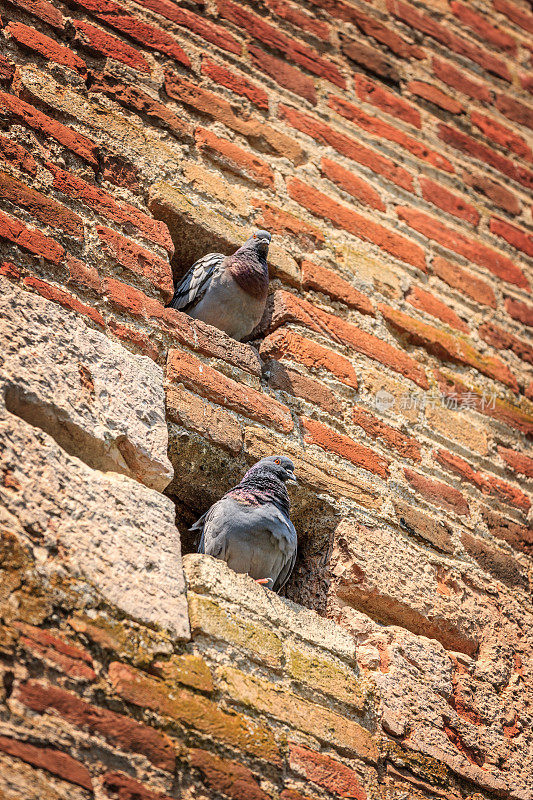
column 249, row 527
column 228, row 292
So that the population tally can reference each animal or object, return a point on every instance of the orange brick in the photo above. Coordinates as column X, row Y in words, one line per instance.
column 438, row 493
column 234, row 157
column 329, row 439
column 352, row 184
column 328, row 282
column 464, row 281
column 392, row 438
column 425, row 301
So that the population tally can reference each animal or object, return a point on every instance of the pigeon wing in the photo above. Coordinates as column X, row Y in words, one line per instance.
column 195, row 282
column 285, row 573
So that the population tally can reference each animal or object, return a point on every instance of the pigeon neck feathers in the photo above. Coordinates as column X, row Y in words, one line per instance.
column 249, row 270
column 258, row 488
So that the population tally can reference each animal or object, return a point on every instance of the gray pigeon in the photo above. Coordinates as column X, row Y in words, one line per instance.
column 249, row 527
column 228, row 292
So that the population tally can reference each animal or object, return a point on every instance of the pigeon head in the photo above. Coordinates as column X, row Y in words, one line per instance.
column 259, row 241
column 279, row 467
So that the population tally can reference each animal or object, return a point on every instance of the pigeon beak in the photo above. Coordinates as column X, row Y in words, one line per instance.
column 292, row 477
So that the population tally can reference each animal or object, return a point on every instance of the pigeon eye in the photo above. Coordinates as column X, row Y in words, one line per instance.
column 277, row 461
column 255, row 235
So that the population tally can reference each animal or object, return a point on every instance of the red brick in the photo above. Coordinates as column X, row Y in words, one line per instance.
column 495, row 36
column 372, row 59
column 282, row 222
column 425, row 301
column 198, row 376
column 475, row 251
column 16, row 155
column 348, row 147
column 132, row 301
column 235, row 158
column 519, row 311
column 436, row 96
column 43, row 208
column 288, row 308
column 385, row 130
column 224, row 777
column 294, row 15
column 124, row 733
column 133, row 98
column 457, row 79
column 352, row 184
column 438, row 493
column 392, row 438
column 526, row 81
column 116, row 210
column 331, row 440
column 290, row 77
column 503, row 340
column 294, row 50
column 518, row 536
column 370, row 26
column 285, row 343
column 515, row 13
column 214, row 106
column 447, row 347
column 512, row 109
column 138, row 260
column 429, row 25
column 42, row 10
column 45, row 46
column 498, row 563
column 517, row 461
column 30, row 116
column 97, row 41
column 502, row 135
column 119, row 18
column 123, row 787
column 374, row 93
column 363, row 227
column 137, row 340
column 500, row 196
column 64, row 299
column 488, row 484
column 212, row 422
column 448, row 201
column 328, row 282
column 517, row 237
column 235, row 82
column 121, row 172
column 72, row 660
column 294, row 383
column 9, row 270
column 7, row 69
column 29, row 239
column 328, row 773
column 476, row 149
column 51, row 760
column 215, row 34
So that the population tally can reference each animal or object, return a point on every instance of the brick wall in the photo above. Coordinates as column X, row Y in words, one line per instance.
column 387, row 145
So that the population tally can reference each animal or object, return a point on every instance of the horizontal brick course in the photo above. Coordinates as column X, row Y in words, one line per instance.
column 207, row 30
column 329, row 282
column 328, row 773
column 438, row 493
column 425, row 301
column 448, row 201
column 219, row 73
column 96, row 40
column 329, row 439
column 405, row 445
column 48, row 48
column 54, row 761
column 234, row 157
column 464, row 281
column 138, row 260
column 43, row 208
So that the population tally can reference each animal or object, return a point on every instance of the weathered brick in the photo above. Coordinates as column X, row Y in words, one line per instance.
column 187, row 669
column 448, row 201
column 43, row 208
column 209, row 618
column 503, row 340
column 33, row 118
column 497, row 263
column 436, row 96
column 372, row 59
column 295, row 51
column 300, row 386
column 226, row 777
column 328, row 438
column 501, row 135
column 125, row 788
column 459, row 426
column 499, row 195
column 33, row 39
column 343, row 216
column 194, row 711
column 519, row 311
column 517, row 237
column 371, row 92
column 479, row 150
column 328, row 282
column 495, row 561
column 54, row 761
column 515, row 13
column 311, row 718
column 198, row 376
column 464, row 281
column 286, row 75
column 276, row 220
column 472, row 19
column 384, row 130
column 382, row 33
column 323, row 673
column 457, row 79
column 318, row 130
column 131, row 336
column 214, row 106
column 438, row 493
column 131, row 300
column 30, row 239
column 124, row 733
column 425, row 301
column 235, row 82
column 234, row 157
column 138, row 260
column 518, row 536
column 213, row 423
column 43, row 10
column 121, row 19
column 328, row 773
column 207, row 30
column 517, row 461
column 514, row 110
column 288, row 308
column 68, row 658
column 352, row 184
column 447, row 347
column 293, row 14
column 285, row 343
column 7, row 69
column 99, row 42
column 405, row 445
column 16, row 155
column 424, row 526
column 64, row 299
